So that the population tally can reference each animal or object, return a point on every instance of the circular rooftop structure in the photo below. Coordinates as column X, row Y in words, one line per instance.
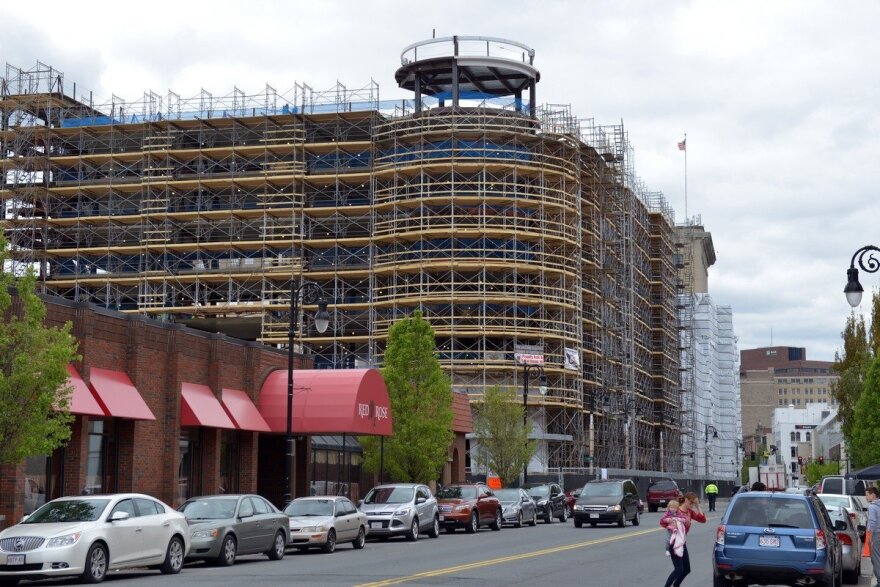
column 468, row 67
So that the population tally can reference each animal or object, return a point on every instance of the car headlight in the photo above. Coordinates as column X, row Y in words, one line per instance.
column 66, row 540
column 462, row 508
column 308, row 529
column 403, row 511
column 614, row 508
column 578, row 508
column 212, row 533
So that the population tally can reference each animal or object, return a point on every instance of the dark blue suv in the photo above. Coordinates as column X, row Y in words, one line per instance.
column 777, row 538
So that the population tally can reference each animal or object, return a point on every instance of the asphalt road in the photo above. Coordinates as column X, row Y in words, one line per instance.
column 553, row 555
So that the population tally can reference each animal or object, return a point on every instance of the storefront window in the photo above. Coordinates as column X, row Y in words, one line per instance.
column 229, row 461
column 189, row 481
column 101, row 461
column 36, row 481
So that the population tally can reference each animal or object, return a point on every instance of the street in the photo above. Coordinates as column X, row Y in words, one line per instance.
column 556, row 554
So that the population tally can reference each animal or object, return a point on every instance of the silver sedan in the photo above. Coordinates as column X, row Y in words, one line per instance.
column 324, row 522
column 518, row 507
column 850, row 545
column 224, row 526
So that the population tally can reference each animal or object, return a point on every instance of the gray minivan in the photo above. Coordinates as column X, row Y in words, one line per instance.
column 607, row 502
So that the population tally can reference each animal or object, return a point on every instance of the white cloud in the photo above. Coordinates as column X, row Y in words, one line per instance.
column 779, row 101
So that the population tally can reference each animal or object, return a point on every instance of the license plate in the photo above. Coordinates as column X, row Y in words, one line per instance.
column 15, row 559
column 442, row 518
column 594, row 516
column 375, row 524
column 771, row 541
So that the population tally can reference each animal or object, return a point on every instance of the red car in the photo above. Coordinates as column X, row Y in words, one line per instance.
column 468, row 507
column 661, row 493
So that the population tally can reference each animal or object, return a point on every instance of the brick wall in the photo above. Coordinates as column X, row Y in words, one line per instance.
column 158, row 357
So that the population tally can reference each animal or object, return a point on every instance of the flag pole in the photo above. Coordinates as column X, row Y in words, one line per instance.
column 685, row 179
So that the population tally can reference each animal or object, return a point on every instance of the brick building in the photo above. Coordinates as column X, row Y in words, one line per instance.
column 173, row 412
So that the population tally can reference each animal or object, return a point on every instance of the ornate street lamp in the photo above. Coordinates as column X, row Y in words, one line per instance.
column 310, row 292
column 871, row 264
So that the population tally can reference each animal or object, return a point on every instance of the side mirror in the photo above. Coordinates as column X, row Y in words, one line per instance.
column 420, row 500
column 360, row 503
column 119, row 516
column 526, row 499
column 840, row 526
column 861, row 529
column 576, row 494
column 23, row 518
column 243, row 515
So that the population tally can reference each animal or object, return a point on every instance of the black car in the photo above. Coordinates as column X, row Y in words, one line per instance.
column 550, row 501
column 607, row 502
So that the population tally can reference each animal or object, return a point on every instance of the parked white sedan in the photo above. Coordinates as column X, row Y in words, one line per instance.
column 90, row 535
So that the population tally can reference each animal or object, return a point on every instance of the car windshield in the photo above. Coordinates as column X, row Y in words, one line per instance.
column 209, row 509
column 457, row 492
column 663, row 486
column 310, row 507
column 390, row 495
column 771, row 513
column 539, row 491
column 835, row 500
column 600, row 490
column 68, row 510
column 507, row 494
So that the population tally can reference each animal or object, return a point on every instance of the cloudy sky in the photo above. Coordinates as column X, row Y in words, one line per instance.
column 779, row 101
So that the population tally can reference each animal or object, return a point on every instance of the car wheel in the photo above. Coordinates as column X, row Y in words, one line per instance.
column 173, row 557
column 473, row 524
column 652, row 508
column 578, row 523
column 413, row 533
column 96, row 564
column 719, row 581
column 548, row 519
column 496, row 524
column 330, row 545
column 9, row 581
column 434, row 532
column 360, row 540
column 636, row 520
column 227, row 551
column 534, row 521
column 621, row 522
column 852, row 577
column 563, row 517
column 276, row 553
column 519, row 522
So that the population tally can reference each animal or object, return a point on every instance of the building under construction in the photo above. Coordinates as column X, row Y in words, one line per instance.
column 510, row 225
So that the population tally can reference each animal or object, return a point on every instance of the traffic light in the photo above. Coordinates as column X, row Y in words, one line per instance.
column 821, row 460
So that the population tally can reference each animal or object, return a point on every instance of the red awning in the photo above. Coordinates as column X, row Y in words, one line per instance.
column 81, row 400
column 242, row 410
column 344, row 401
column 117, row 395
column 199, row 407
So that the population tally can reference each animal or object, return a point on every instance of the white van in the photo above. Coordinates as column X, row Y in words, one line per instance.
column 840, row 485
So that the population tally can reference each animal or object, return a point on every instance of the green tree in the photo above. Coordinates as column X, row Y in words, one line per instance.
column 864, row 448
column 850, row 367
column 503, row 439
column 421, row 405
column 815, row 471
column 34, row 393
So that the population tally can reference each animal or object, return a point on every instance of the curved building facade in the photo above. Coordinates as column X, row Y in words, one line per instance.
column 511, row 226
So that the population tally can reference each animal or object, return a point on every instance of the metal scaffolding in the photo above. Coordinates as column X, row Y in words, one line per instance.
column 504, row 228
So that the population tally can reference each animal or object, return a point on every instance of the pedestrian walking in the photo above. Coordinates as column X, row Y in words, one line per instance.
column 711, row 495
column 690, row 512
column 872, row 495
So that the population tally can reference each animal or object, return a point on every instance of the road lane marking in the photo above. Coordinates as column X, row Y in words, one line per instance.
column 504, row 559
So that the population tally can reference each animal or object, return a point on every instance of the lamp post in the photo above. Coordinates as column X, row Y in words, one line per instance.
column 871, row 264
column 543, row 389
column 310, row 292
column 706, row 444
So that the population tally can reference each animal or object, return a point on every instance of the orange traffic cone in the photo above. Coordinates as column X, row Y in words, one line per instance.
column 866, row 551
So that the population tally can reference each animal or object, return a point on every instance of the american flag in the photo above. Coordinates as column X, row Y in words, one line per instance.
column 682, row 146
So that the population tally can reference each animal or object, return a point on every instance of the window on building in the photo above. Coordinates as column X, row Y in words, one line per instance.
column 101, row 460
column 808, row 437
column 792, row 436
column 229, row 461
column 189, row 481
column 781, row 402
column 798, row 435
column 794, row 451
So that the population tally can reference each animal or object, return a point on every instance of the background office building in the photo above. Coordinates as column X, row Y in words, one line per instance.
column 509, row 224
